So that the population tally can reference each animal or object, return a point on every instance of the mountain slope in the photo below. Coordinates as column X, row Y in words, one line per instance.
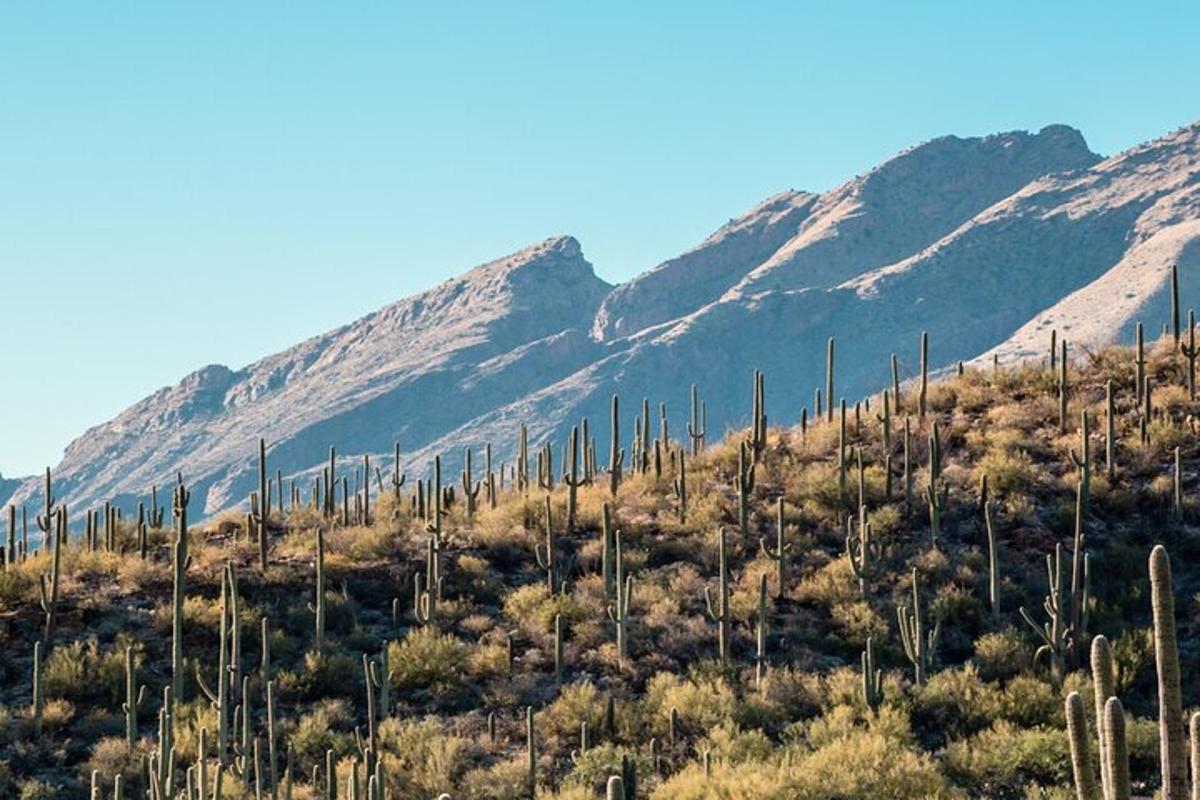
column 423, row 364
column 985, row 243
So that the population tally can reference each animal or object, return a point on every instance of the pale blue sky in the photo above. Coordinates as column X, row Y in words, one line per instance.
column 189, row 183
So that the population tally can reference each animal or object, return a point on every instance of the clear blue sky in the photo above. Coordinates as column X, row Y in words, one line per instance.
column 190, row 183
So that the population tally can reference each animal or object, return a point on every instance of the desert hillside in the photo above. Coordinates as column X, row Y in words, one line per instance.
column 857, row 606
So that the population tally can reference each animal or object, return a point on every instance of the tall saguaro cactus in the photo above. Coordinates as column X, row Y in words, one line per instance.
column 1166, row 656
column 618, row 612
column 697, row 427
column 1081, row 762
column 780, row 554
column 179, row 564
column 918, row 646
column 720, row 612
column 317, row 607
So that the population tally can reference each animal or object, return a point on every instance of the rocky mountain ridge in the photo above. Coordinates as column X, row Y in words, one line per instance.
column 987, row 243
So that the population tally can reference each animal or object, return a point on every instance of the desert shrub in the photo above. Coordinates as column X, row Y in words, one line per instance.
column 111, row 756
column 419, row 759
column 428, row 659
column 38, row 790
column 324, row 674
column 748, row 781
column 317, row 731
column 1001, row 655
column 1000, row 761
column 1030, row 701
column 533, row 606
column 501, row 781
column 576, row 703
column 702, row 703
column 864, row 765
column 81, row 670
column 956, row 703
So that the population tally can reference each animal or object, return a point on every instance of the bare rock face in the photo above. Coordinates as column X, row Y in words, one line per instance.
column 797, row 240
column 411, row 370
column 985, row 243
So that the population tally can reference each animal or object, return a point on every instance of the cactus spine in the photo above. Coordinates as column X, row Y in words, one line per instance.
column 720, row 612
column 780, row 554
column 1166, row 654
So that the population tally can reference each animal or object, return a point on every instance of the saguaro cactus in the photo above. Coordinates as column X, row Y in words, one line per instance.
column 780, row 554
column 697, row 427
column 829, row 378
column 134, row 696
column 179, row 564
column 1082, row 459
column 720, row 612
column 864, row 554
column 1116, row 753
column 547, row 554
column 1081, row 762
column 38, row 700
column 1104, row 687
column 1166, row 655
column 918, row 646
column 924, row 375
column 872, row 678
column 571, row 478
column 1190, row 351
column 993, row 562
column 618, row 611
column 760, row 637
column 616, row 455
column 317, row 608
column 744, row 483
column 679, row 486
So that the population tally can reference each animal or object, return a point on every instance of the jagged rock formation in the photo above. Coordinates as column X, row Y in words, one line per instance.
column 986, row 243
